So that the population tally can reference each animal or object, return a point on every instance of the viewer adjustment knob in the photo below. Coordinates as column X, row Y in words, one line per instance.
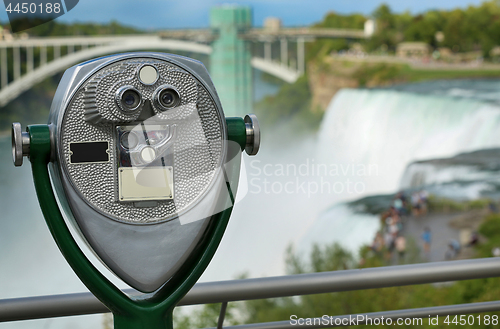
column 253, row 134
column 20, row 144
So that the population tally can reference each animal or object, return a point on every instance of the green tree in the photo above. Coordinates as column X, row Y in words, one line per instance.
column 292, row 104
column 386, row 36
column 334, row 257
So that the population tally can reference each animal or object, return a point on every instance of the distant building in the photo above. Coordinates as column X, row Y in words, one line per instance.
column 5, row 34
column 272, row 24
column 445, row 52
column 370, row 27
column 495, row 52
column 413, row 49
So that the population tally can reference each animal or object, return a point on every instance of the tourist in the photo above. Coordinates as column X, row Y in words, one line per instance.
column 415, row 204
column 399, row 203
column 427, row 237
column 423, row 200
column 474, row 239
column 453, row 249
column 378, row 243
column 401, row 247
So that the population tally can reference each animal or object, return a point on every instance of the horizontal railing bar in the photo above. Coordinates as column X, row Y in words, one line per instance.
column 346, row 320
column 325, row 282
column 68, row 40
column 41, row 307
column 272, row 287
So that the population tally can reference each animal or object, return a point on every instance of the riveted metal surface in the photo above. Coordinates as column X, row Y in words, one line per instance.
column 93, row 114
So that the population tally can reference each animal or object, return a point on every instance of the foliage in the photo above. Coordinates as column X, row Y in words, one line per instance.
column 333, row 258
column 264, row 76
column 413, row 75
column 290, row 105
column 205, row 317
column 335, row 21
column 448, row 205
column 469, row 29
column 377, row 74
column 322, row 259
column 32, row 107
column 323, row 47
column 54, row 28
column 472, row 28
column 490, row 229
column 387, row 32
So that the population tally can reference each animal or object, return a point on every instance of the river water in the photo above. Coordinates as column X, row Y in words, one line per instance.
column 296, row 190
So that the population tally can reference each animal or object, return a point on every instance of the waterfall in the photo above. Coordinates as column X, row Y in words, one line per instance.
column 389, row 129
column 467, row 175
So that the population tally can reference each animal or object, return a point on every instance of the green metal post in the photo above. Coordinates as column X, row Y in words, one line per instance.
column 230, row 60
column 155, row 311
column 236, row 131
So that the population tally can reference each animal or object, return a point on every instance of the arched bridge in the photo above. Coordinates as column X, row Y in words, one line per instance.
column 233, row 45
column 79, row 49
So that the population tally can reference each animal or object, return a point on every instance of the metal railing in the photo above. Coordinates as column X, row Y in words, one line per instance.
column 282, row 286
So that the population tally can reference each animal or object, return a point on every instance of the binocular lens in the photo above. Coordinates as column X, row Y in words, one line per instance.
column 130, row 99
column 168, row 98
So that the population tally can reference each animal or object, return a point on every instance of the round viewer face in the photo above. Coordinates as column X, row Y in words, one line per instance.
column 142, row 140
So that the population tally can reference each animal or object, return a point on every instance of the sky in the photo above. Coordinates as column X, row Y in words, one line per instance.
column 165, row 14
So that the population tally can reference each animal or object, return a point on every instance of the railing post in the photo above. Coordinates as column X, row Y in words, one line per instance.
column 57, row 52
column 43, row 55
column 30, row 65
column 284, row 52
column 3, row 67
column 300, row 55
column 17, row 63
column 222, row 315
column 267, row 51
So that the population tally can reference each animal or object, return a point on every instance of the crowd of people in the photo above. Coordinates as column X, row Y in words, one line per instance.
column 419, row 202
column 391, row 240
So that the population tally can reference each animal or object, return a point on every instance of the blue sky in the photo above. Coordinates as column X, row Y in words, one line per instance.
column 156, row 14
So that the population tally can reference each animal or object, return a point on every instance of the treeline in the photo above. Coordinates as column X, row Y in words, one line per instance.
column 54, row 28
column 290, row 106
column 475, row 28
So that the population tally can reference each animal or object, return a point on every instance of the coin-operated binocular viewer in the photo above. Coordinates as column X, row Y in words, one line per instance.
column 145, row 166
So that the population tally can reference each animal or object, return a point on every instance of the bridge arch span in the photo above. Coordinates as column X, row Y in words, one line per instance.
column 25, row 82
column 28, row 80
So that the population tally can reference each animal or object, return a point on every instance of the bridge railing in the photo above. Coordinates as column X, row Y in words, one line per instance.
column 17, row 56
column 291, row 285
column 25, row 62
